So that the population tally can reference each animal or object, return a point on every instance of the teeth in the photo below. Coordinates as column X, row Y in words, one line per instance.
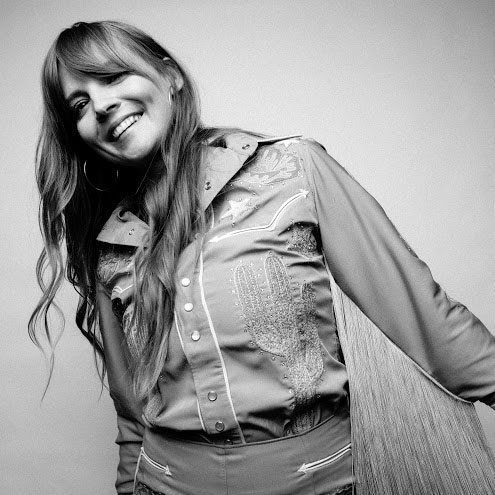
column 125, row 124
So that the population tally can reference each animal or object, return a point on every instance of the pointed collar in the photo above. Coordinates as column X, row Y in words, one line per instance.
column 219, row 166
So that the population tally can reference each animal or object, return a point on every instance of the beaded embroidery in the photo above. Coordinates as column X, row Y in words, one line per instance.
column 285, row 327
column 117, row 264
column 345, row 490
column 302, row 240
column 110, row 261
column 142, row 489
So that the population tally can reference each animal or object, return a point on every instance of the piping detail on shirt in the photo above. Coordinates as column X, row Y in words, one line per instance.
column 156, row 465
column 286, row 328
column 119, row 289
column 176, row 324
column 200, row 416
column 312, row 466
column 214, row 335
column 269, row 226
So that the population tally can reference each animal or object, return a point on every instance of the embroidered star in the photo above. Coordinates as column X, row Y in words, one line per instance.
column 237, row 208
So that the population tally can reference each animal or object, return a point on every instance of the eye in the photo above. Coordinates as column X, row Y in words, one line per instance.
column 78, row 106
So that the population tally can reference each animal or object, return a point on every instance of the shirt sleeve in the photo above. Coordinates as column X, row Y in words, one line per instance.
column 130, row 427
column 375, row 267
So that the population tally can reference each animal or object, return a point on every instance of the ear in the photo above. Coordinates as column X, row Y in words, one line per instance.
column 173, row 74
column 178, row 82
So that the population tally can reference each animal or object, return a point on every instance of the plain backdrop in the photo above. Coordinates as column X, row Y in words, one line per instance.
column 400, row 92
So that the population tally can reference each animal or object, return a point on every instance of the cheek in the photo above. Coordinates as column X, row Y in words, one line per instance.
column 86, row 132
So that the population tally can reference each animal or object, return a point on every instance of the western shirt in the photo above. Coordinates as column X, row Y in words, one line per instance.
column 253, row 353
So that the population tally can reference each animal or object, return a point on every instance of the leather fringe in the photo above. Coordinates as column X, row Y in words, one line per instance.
column 409, row 434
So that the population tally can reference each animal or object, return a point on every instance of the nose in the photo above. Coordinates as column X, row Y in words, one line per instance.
column 105, row 106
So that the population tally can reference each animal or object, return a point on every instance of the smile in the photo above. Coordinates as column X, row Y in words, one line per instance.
column 124, row 125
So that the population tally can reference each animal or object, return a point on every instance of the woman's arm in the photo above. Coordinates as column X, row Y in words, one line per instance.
column 374, row 266
column 128, row 408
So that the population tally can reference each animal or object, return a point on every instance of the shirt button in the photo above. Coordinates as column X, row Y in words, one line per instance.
column 219, row 426
column 188, row 307
column 185, row 282
column 195, row 336
column 212, row 396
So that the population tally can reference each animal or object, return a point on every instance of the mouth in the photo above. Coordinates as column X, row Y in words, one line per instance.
column 124, row 124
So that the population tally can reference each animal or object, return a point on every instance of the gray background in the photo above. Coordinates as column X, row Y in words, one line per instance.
column 400, row 92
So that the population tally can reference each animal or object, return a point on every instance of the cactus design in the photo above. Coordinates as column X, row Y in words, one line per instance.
column 284, row 326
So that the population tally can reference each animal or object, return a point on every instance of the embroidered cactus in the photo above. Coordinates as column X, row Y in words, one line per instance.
column 285, row 327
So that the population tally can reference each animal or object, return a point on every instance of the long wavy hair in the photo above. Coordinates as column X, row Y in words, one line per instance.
column 72, row 213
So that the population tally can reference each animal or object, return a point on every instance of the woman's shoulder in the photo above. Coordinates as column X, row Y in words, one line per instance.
column 280, row 150
column 296, row 144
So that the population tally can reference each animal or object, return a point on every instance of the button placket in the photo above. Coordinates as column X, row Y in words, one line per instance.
column 199, row 346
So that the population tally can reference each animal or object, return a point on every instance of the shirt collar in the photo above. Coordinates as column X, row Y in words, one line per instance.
column 219, row 166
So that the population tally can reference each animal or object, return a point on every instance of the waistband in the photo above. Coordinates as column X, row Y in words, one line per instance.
column 317, row 461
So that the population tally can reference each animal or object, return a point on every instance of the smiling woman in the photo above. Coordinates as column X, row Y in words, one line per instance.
column 264, row 327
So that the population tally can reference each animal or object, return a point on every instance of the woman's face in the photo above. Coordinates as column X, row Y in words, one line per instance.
column 121, row 118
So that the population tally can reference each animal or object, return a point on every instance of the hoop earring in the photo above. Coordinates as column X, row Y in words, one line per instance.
column 99, row 189
column 171, row 95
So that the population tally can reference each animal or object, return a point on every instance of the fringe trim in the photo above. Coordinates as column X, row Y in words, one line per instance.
column 409, row 435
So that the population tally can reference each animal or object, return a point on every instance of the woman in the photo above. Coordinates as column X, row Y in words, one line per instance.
column 219, row 273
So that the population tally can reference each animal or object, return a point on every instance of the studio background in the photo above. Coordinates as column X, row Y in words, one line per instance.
column 401, row 93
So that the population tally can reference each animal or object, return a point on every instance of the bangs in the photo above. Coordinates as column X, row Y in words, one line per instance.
column 107, row 48
column 92, row 59
column 84, row 50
